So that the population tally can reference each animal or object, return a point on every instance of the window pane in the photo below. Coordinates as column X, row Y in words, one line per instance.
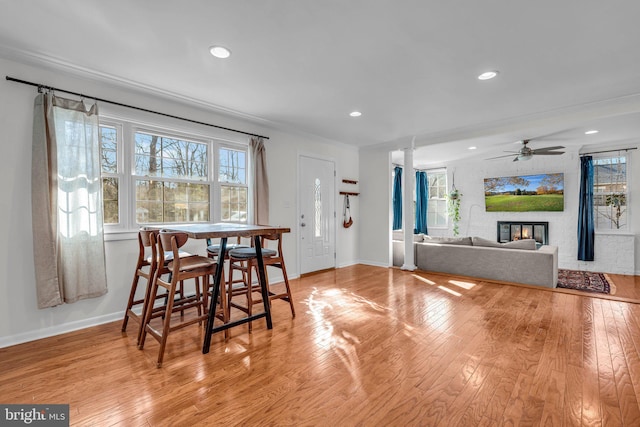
column 165, row 201
column 109, row 149
column 170, row 157
column 437, row 205
column 610, row 192
column 317, row 203
column 233, row 166
column 233, row 203
column 110, row 200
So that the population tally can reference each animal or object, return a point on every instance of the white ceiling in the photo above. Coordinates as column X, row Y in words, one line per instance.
column 411, row 67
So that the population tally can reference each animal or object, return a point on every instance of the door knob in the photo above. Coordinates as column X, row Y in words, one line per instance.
column 302, row 224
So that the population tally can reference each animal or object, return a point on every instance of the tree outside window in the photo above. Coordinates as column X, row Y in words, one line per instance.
column 171, row 179
column 610, row 192
column 109, row 152
column 232, row 175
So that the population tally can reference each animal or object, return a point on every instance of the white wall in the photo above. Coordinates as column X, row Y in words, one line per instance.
column 20, row 320
column 615, row 253
column 375, row 205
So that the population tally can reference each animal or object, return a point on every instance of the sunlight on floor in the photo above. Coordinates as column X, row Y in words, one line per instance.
column 423, row 279
column 350, row 307
column 463, row 285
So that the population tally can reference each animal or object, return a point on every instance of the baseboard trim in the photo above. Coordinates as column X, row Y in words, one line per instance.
column 59, row 329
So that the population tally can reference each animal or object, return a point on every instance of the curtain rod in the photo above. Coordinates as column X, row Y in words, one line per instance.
column 609, row 151
column 42, row 86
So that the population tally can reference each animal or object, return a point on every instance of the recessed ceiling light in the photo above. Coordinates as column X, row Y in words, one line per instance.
column 472, row 148
column 487, row 75
column 220, row 52
column 591, row 132
column 355, row 114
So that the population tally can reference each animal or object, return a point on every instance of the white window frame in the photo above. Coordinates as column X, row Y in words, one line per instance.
column 164, row 133
column 441, row 200
column 220, row 184
column 127, row 125
column 626, row 227
column 121, row 175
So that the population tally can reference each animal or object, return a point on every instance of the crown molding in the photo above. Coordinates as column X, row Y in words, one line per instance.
column 60, row 65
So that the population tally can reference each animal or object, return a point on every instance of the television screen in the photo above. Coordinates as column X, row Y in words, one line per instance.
column 525, row 193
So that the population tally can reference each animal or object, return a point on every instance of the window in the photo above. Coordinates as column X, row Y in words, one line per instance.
column 317, row 203
column 153, row 175
column 171, row 177
column 110, row 149
column 437, row 205
column 610, row 192
column 232, row 176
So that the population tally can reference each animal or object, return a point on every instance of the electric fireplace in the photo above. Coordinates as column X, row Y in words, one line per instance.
column 517, row 230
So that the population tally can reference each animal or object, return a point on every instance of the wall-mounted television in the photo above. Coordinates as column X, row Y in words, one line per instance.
column 524, row 193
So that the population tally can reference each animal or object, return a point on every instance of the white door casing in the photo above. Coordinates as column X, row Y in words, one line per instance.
column 317, row 220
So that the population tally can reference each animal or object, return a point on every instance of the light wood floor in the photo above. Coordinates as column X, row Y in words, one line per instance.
column 626, row 286
column 369, row 346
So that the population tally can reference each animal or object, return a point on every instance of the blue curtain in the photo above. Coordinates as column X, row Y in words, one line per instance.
column 397, row 198
column 422, row 198
column 585, row 211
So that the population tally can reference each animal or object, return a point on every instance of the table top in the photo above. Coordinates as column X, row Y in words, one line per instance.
column 224, row 229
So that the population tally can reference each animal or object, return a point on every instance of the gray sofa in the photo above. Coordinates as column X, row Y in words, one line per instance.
column 518, row 261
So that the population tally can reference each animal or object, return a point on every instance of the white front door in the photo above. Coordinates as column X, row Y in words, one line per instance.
column 317, row 221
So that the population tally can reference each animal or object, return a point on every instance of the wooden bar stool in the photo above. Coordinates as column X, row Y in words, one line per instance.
column 180, row 269
column 245, row 260
column 214, row 250
column 146, row 268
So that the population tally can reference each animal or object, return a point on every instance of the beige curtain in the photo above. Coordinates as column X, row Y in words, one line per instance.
column 66, row 195
column 260, row 181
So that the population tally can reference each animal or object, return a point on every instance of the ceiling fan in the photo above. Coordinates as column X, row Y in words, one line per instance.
column 526, row 153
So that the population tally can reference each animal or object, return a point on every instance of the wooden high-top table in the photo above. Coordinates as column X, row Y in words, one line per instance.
column 224, row 231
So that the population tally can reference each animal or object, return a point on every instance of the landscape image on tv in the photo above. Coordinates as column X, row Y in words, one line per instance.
column 525, row 193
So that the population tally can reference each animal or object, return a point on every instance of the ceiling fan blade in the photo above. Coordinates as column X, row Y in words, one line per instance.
column 515, row 159
column 559, row 147
column 501, row 157
column 548, row 153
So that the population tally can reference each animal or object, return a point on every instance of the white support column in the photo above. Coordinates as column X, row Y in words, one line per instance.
column 408, row 184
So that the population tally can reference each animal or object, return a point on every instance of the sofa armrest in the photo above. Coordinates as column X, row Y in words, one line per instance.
column 553, row 250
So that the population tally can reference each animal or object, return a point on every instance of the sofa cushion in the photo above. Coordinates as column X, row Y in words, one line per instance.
column 448, row 240
column 529, row 244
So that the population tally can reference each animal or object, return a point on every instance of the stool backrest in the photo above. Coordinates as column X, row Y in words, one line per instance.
column 146, row 234
column 275, row 237
column 147, row 238
column 171, row 241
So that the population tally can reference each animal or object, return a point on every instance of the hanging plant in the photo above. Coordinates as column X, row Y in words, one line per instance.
column 453, row 210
